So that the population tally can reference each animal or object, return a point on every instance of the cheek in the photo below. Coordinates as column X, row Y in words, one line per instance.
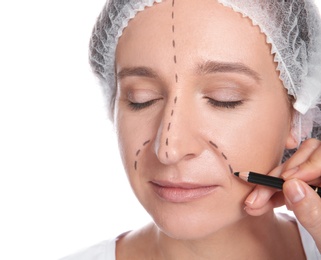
column 134, row 136
column 258, row 145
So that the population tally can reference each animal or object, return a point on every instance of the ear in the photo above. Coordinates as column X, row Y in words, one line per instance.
column 292, row 141
column 293, row 138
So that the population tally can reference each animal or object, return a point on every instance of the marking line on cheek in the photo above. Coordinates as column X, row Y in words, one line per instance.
column 213, row 144
column 146, row 142
column 223, row 155
column 138, row 152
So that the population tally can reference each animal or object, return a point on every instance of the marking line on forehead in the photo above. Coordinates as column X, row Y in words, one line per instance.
column 209, row 67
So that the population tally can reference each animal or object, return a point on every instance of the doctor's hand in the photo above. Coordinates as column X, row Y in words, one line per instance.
column 303, row 168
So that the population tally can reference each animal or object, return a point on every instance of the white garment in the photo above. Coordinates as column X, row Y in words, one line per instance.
column 106, row 250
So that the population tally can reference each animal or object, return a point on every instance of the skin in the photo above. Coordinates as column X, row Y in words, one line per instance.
column 167, row 123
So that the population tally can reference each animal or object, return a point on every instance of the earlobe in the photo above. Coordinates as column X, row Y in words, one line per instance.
column 292, row 141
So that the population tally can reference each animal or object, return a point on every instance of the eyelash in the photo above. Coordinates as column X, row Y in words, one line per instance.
column 140, row 106
column 212, row 102
column 224, row 104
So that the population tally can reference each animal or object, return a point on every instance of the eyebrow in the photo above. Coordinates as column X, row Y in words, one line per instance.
column 137, row 71
column 209, row 67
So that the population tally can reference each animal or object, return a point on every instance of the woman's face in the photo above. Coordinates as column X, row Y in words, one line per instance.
column 198, row 97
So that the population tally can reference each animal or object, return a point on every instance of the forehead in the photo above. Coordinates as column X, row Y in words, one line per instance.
column 200, row 30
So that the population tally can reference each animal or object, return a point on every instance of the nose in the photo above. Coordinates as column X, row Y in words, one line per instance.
column 178, row 137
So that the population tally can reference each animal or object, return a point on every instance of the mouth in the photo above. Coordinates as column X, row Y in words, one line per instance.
column 181, row 192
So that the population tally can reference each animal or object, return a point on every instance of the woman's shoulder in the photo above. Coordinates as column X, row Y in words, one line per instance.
column 104, row 250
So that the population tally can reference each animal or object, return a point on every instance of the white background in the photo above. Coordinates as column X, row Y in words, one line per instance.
column 62, row 186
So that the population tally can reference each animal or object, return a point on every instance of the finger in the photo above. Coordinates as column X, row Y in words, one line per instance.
column 309, row 148
column 306, row 205
column 308, row 170
column 261, row 195
column 277, row 200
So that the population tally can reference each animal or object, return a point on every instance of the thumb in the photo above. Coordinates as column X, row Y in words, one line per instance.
column 306, row 205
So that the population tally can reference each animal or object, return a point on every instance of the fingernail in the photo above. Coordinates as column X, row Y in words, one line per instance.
column 290, row 172
column 252, row 197
column 295, row 191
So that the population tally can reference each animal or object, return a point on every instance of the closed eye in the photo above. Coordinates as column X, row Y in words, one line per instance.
column 139, row 106
column 224, row 104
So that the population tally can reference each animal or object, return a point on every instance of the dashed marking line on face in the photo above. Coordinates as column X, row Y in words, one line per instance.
column 176, row 75
column 175, row 100
column 146, row 142
column 223, row 155
column 137, row 154
column 213, row 144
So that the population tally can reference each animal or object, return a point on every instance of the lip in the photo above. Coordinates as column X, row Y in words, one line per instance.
column 181, row 192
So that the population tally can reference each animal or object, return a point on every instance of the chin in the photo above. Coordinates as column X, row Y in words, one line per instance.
column 196, row 224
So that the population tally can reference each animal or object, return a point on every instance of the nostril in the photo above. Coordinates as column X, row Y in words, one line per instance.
column 189, row 156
